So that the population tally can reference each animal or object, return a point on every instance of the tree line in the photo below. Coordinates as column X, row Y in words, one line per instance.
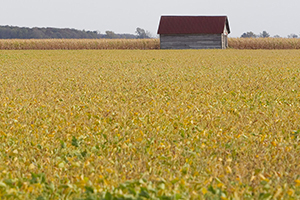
column 264, row 34
column 14, row 32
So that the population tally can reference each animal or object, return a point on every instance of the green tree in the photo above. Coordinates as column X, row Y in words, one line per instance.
column 292, row 35
column 248, row 35
column 142, row 33
column 111, row 35
column 264, row 34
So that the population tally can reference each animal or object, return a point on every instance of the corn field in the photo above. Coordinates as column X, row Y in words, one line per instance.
column 264, row 43
column 77, row 44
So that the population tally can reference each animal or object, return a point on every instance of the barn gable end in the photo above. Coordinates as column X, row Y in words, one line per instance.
column 193, row 32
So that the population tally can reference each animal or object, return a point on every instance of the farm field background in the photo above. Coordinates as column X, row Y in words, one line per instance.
column 188, row 124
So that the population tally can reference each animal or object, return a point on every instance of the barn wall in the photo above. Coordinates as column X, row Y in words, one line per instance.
column 201, row 41
column 224, row 41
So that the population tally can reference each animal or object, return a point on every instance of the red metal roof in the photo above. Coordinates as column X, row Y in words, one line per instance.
column 192, row 25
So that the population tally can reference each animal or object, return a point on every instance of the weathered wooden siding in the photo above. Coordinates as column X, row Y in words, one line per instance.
column 224, row 41
column 201, row 41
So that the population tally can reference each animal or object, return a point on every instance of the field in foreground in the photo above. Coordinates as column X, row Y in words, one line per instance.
column 150, row 124
column 77, row 44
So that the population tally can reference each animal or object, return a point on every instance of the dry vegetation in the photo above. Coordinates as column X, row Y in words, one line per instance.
column 264, row 43
column 75, row 44
column 210, row 124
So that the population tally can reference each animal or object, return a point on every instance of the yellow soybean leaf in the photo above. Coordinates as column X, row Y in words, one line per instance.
column 274, row 143
column 204, row 191
column 109, row 170
column 2, row 133
column 31, row 166
column 290, row 192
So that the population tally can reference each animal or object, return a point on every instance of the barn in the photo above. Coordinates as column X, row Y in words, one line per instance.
column 193, row 32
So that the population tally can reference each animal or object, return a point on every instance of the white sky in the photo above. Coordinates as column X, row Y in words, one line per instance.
column 124, row 16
